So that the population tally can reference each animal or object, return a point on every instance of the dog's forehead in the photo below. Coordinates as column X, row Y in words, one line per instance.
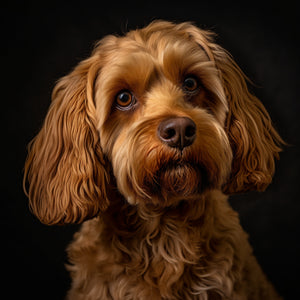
column 168, row 53
column 161, row 44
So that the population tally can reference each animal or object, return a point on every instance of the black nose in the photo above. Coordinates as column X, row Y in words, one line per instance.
column 177, row 132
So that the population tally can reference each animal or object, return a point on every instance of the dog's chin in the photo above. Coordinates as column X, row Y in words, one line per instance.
column 176, row 181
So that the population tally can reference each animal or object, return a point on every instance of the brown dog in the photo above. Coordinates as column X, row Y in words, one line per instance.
column 146, row 137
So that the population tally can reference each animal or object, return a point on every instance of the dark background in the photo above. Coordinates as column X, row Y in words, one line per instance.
column 43, row 41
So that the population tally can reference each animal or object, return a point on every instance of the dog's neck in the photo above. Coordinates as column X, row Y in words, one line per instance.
column 190, row 221
column 175, row 238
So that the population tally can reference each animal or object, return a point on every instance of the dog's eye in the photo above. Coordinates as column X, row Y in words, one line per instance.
column 190, row 84
column 125, row 100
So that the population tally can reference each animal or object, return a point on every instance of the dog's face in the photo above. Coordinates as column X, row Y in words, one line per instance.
column 163, row 110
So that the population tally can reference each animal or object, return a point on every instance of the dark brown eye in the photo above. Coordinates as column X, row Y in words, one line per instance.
column 125, row 100
column 190, row 84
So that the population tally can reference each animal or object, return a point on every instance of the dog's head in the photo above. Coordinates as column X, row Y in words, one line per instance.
column 162, row 114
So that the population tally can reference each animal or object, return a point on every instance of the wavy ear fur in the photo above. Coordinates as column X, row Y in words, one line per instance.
column 65, row 171
column 254, row 141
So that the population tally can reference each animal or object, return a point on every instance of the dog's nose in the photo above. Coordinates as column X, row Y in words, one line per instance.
column 177, row 132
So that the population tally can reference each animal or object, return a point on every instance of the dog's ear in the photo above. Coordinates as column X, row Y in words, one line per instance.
column 254, row 141
column 65, row 173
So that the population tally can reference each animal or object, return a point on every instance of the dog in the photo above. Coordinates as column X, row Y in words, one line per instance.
column 144, row 141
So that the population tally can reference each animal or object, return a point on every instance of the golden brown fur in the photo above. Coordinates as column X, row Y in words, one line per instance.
column 161, row 225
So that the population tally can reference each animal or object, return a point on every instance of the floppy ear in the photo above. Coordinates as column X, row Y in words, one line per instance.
column 65, row 171
column 254, row 141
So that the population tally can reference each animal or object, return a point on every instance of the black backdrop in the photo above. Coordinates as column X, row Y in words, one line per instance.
column 43, row 41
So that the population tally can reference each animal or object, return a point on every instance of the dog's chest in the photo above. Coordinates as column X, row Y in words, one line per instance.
column 164, row 257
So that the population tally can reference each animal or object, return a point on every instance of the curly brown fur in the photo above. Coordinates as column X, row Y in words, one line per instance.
column 146, row 137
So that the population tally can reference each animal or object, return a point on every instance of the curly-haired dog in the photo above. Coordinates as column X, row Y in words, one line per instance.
column 147, row 136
